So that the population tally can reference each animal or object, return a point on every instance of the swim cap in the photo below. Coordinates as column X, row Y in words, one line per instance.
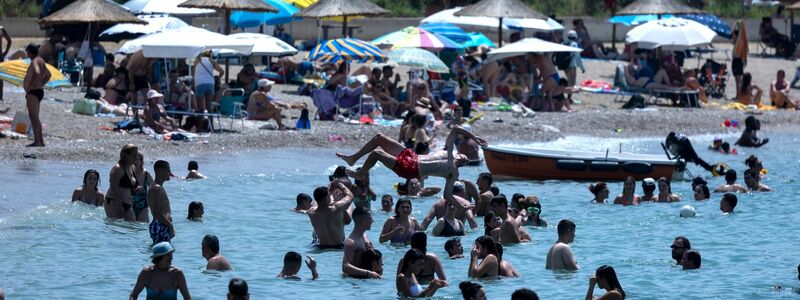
column 688, row 211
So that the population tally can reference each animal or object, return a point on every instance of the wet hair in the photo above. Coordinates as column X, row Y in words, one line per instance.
column 629, row 178
column 292, row 258
column 730, row 176
column 731, row 199
column 450, row 244
column 419, row 240
column 706, row 192
column 123, row 154
column 666, row 181
column 370, row 257
column 411, row 256
column 320, row 193
column 695, row 258
column 565, row 226
column 499, row 248
column 499, row 200
column 469, row 290
column 302, row 197
column 746, row 80
column 33, row 49
column 598, row 187
column 192, row 206
column 524, row 294
column 515, row 200
column 488, row 243
column 698, row 181
column 726, row 147
column 193, row 166
column 400, row 202
column 212, row 242
column 360, row 212
column 607, row 272
column 422, row 148
column 495, row 190
column 458, row 187
column 751, row 161
column 487, row 218
column 751, row 173
column 92, row 171
column 402, row 188
column 339, row 172
column 237, row 287
column 686, row 244
column 486, row 176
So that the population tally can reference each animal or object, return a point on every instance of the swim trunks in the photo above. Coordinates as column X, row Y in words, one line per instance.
column 159, row 232
column 738, row 66
column 405, row 164
column 38, row 93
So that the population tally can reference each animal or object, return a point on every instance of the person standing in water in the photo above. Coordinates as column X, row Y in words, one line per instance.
column 560, row 256
column 161, row 280
column 161, row 228
column 628, row 196
column 139, row 197
column 88, row 192
column 36, row 78
column 606, row 278
column 3, row 53
column 121, row 184
column 357, row 244
column 210, row 249
column 327, row 218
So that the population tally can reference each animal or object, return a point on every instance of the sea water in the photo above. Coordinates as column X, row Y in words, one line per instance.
column 54, row 249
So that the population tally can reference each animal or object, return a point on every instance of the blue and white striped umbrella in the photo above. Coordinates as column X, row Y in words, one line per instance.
column 417, row 58
column 348, row 49
column 448, row 30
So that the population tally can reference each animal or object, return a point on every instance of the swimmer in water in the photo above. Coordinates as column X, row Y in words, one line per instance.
column 210, row 250
column 193, row 171
column 749, row 136
column 511, row 231
column 88, row 192
column 454, row 248
column 292, row 262
column 600, row 192
column 730, row 185
column 533, row 212
column 692, row 260
column 560, row 256
column 303, row 203
column 237, row 289
column 648, row 188
column 701, row 192
column 506, row 269
column 406, row 282
column 416, row 188
column 472, row 291
column 728, row 203
column 196, row 211
column 753, row 181
column 628, row 196
column 327, row 218
column 665, row 192
column 484, row 250
column 386, row 203
column 606, row 278
column 433, row 266
column 754, row 163
column 399, row 228
column 356, row 244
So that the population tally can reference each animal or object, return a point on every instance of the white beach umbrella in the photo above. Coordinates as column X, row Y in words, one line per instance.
column 448, row 16
column 164, row 7
column 673, row 33
column 529, row 45
column 185, row 43
column 262, row 45
column 130, row 31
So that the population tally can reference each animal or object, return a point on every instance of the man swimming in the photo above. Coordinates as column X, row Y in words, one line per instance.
column 210, row 249
column 327, row 217
column 749, row 136
column 730, row 185
column 753, row 181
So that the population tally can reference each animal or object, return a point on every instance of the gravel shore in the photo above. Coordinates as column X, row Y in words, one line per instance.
column 72, row 137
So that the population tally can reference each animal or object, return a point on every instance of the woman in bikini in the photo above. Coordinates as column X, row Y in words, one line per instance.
column 399, row 228
column 486, row 251
column 433, row 266
column 143, row 180
column 161, row 280
column 116, row 90
column 121, row 185
column 448, row 225
column 628, row 196
column 749, row 93
column 406, row 282
column 88, row 192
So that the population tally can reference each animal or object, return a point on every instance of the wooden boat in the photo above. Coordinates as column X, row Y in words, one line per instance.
column 544, row 164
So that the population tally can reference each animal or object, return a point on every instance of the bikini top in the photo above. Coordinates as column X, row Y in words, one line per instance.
column 126, row 181
column 449, row 230
column 167, row 294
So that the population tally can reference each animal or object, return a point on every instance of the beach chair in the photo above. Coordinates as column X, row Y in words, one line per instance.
column 72, row 67
column 688, row 98
column 349, row 101
column 718, row 73
column 325, row 102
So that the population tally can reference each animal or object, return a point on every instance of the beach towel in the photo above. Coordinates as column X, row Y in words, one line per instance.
column 740, row 106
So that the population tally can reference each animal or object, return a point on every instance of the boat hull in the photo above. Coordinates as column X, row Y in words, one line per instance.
column 543, row 164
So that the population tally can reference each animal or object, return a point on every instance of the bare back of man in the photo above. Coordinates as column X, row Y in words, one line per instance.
column 161, row 228
column 560, row 257
column 138, row 66
column 328, row 219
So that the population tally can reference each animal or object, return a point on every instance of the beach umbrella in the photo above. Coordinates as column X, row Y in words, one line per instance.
column 169, row 7
column 631, row 20
column 341, row 8
column 448, row 30
column 245, row 19
column 529, row 45
column 416, row 58
column 416, row 37
column 155, row 24
column 536, row 24
column 185, row 43
column 477, row 39
column 711, row 21
column 657, row 7
column 501, row 9
column 449, row 16
column 14, row 71
column 229, row 5
column 673, row 33
column 301, row 3
column 348, row 49
column 262, row 45
column 91, row 11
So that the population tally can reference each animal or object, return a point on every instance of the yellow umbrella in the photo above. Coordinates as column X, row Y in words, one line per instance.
column 301, row 3
column 14, row 71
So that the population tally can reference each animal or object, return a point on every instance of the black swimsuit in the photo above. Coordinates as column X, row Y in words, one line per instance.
column 449, row 230
column 38, row 93
column 124, row 182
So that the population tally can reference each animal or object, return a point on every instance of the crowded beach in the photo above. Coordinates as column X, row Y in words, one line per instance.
column 431, row 108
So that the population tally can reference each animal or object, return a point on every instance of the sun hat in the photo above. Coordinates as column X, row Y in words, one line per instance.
column 265, row 82
column 648, row 181
column 154, row 94
column 162, row 249
column 572, row 34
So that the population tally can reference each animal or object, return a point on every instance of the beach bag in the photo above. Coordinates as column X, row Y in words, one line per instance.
column 128, row 124
column 562, row 59
column 86, row 107
column 21, row 123
column 636, row 101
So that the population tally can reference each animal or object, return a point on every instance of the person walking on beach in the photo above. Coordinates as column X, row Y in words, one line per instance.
column 210, row 250
column 161, row 228
column 161, row 280
column 575, row 60
column 357, row 244
column 121, row 185
column 327, row 218
column 3, row 52
column 560, row 256
column 36, row 77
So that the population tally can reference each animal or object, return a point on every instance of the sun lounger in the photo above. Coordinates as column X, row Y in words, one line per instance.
column 690, row 98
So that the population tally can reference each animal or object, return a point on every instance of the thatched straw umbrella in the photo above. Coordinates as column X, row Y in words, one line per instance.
column 341, row 8
column 228, row 5
column 501, row 9
column 92, row 12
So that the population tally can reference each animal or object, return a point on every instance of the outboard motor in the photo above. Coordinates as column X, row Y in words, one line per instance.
column 681, row 148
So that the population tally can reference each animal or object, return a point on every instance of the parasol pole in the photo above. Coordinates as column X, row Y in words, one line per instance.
column 227, row 32
column 344, row 27
column 500, row 32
